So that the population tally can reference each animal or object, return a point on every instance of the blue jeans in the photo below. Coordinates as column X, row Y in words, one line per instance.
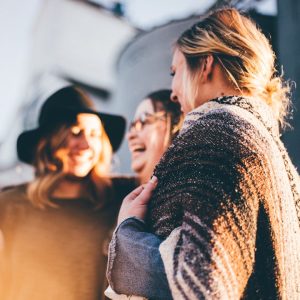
column 135, row 266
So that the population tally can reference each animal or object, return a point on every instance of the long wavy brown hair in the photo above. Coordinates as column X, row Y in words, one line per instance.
column 48, row 169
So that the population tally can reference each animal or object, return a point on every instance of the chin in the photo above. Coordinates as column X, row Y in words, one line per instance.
column 137, row 164
column 79, row 173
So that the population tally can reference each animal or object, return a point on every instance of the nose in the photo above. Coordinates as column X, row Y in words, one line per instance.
column 131, row 134
column 83, row 142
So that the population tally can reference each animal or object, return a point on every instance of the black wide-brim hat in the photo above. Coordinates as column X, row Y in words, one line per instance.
column 60, row 108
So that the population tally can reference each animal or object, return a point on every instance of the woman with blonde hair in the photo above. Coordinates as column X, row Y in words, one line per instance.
column 55, row 229
column 222, row 220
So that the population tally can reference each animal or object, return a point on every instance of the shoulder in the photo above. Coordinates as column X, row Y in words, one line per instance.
column 218, row 138
column 232, row 119
column 224, row 128
column 222, row 120
column 12, row 199
column 13, row 192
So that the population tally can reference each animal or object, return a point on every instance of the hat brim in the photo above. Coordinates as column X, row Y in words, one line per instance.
column 114, row 126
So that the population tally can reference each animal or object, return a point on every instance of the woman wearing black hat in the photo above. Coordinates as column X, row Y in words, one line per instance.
column 54, row 230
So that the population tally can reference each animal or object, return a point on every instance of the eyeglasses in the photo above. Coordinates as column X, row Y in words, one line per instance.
column 146, row 119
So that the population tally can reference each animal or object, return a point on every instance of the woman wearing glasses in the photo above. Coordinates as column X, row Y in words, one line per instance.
column 157, row 121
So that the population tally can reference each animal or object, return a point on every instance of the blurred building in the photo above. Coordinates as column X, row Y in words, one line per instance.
column 83, row 43
column 144, row 67
column 144, row 64
column 73, row 42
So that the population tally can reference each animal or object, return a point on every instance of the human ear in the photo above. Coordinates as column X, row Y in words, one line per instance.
column 207, row 67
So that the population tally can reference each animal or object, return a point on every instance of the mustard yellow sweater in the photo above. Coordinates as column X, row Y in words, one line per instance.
column 56, row 253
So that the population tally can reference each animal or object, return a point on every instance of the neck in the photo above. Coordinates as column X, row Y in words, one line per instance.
column 217, row 86
column 143, row 178
column 69, row 188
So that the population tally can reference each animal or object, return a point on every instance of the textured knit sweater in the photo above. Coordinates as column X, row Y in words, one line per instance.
column 226, row 204
column 56, row 253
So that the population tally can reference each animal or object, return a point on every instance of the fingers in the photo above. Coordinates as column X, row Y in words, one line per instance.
column 135, row 203
column 143, row 192
column 145, row 195
column 151, row 184
column 132, row 195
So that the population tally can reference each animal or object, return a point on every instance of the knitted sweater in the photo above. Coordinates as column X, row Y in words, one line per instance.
column 226, row 206
column 55, row 253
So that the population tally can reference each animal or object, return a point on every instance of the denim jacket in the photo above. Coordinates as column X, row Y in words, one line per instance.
column 135, row 266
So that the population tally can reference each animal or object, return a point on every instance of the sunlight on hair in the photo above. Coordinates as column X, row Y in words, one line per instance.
column 244, row 53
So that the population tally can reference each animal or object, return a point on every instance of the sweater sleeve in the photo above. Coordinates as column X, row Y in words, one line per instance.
column 211, row 254
column 203, row 262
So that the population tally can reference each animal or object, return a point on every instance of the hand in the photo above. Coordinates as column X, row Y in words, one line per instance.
column 135, row 203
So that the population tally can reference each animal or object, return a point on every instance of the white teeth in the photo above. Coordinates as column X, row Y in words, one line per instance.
column 81, row 157
column 137, row 148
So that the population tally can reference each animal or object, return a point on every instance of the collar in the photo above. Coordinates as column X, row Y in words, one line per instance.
column 258, row 108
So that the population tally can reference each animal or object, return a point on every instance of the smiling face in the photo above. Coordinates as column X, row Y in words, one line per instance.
column 147, row 139
column 82, row 147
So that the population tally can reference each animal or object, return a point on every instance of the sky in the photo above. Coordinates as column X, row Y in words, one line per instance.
column 17, row 19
